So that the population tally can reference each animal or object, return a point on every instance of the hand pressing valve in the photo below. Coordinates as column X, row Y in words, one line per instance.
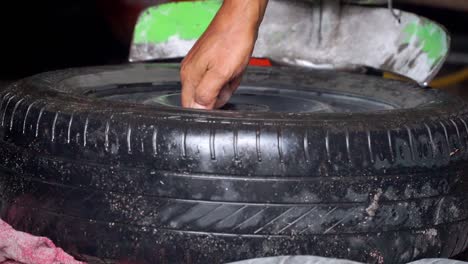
column 213, row 69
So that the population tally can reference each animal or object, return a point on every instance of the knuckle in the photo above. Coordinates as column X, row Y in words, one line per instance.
column 184, row 63
column 222, row 73
column 204, row 99
column 184, row 72
column 185, row 69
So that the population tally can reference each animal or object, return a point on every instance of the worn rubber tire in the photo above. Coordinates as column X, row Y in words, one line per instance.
column 320, row 260
column 116, row 180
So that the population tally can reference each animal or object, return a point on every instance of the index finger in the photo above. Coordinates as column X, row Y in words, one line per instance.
column 190, row 76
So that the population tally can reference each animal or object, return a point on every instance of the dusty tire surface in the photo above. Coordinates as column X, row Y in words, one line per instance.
column 115, row 179
column 320, row 260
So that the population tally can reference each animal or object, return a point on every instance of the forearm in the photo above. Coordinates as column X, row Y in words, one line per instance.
column 212, row 70
column 246, row 13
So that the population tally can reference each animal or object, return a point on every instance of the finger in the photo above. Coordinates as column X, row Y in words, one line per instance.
column 228, row 90
column 189, row 80
column 188, row 91
column 207, row 91
column 224, row 96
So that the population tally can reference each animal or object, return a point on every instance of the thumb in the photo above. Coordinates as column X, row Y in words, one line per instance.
column 227, row 91
column 207, row 91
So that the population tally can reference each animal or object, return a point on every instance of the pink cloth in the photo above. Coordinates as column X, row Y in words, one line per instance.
column 21, row 248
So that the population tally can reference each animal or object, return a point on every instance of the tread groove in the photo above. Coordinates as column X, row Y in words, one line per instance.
column 326, row 215
column 348, row 149
column 461, row 245
column 465, row 243
column 257, row 144
column 142, row 145
column 250, row 218
column 339, row 222
column 306, row 146
column 129, row 139
column 14, row 112
column 436, row 198
column 411, row 141
column 70, row 122
column 446, row 137
column 369, row 145
column 212, row 140
column 154, row 140
column 455, row 246
column 106, row 136
column 412, row 252
column 184, row 143
column 48, row 211
column 6, row 108
column 4, row 97
column 280, row 144
column 327, row 146
column 230, row 215
column 458, row 132
column 7, row 95
column 431, row 139
column 54, row 124
column 26, row 116
column 204, row 215
column 41, row 112
column 466, row 129
column 85, row 132
column 390, row 145
column 465, row 124
column 297, row 220
column 236, row 144
column 274, row 220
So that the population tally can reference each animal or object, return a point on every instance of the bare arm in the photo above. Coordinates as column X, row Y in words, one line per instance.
column 213, row 69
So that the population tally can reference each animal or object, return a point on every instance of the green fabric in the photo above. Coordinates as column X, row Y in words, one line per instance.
column 430, row 36
column 185, row 20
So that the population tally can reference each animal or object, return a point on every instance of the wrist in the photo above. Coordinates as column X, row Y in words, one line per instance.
column 245, row 13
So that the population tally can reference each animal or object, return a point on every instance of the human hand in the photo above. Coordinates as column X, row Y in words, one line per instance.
column 212, row 70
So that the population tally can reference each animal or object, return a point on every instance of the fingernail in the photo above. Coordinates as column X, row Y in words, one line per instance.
column 197, row 106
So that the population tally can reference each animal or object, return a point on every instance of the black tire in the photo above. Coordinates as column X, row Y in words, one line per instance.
column 320, row 260
column 120, row 180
